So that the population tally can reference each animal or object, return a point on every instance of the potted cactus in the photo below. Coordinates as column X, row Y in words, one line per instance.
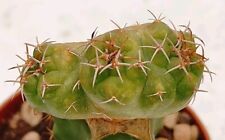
column 115, row 86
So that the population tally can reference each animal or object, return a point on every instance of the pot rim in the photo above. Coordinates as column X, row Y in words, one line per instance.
column 198, row 122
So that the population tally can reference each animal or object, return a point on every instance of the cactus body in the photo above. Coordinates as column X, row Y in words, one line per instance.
column 141, row 71
column 135, row 72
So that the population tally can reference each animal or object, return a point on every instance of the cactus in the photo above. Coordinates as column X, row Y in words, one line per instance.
column 123, row 79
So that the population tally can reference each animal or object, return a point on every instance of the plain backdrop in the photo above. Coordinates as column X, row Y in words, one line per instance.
column 74, row 20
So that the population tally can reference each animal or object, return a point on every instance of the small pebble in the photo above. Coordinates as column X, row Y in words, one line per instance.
column 28, row 115
column 32, row 135
column 14, row 120
column 161, row 138
column 182, row 132
column 170, row 120
column 194, row 132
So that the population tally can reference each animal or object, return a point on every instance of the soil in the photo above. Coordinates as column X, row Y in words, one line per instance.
column 22, row 128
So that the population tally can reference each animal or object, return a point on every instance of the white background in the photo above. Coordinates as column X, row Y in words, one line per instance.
column 74, row 20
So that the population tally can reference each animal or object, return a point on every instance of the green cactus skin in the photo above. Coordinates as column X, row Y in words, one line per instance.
column 71, row 130
column 141, row 71
column 134, row 68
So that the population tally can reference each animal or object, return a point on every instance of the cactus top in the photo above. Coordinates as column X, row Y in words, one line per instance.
column 141, row 71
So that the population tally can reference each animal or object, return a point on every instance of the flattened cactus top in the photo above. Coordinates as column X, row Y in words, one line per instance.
column 142, row 71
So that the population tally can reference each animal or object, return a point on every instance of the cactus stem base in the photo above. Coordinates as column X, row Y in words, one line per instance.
column 138, row 128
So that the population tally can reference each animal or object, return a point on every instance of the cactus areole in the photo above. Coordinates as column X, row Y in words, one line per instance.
column 116, row 85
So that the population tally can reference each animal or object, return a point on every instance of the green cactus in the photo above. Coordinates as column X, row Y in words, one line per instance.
column 144, row 71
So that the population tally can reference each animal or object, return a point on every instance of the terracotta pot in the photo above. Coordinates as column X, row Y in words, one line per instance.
column 12, row 105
